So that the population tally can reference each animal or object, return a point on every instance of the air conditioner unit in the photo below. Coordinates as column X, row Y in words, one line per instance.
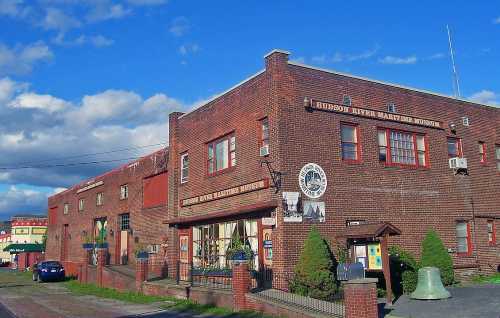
column 264, row 151
column 153, row 249
column 458, row 163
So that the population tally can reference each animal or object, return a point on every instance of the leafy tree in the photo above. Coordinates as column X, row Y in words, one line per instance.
column 314, row 273
column 435, row 254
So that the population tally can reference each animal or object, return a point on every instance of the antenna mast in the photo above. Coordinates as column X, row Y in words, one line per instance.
column 456, row 84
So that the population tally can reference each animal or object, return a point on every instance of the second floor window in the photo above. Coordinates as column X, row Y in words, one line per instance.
column 81, row 204
column 123, row 191
column 454, row 147
column 100, row 198
column 349, row 140
column 491, row 232
column 402, row 148
column 464, row 246
column 264, row 138
column 66, row 208
column 184, row 168
column 497, row 156
column 482, row 152
column 221, row 154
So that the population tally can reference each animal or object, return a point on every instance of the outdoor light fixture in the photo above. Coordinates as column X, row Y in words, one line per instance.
column 453, row 127
column 111, row 232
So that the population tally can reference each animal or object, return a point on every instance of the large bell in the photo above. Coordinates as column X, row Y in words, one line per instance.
column 429, row 285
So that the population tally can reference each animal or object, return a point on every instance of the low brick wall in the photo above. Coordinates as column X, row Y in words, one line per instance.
column 113, row 279
column 270, row 307
column 71, row 268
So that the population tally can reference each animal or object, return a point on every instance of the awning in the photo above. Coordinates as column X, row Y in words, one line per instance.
column 21, row 248
column 369, row 230
column 248, row 209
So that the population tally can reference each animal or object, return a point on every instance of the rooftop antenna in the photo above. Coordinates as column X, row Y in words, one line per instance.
column 456, row 84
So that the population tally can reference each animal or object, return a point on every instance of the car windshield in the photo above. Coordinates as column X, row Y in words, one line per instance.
column 51, row 264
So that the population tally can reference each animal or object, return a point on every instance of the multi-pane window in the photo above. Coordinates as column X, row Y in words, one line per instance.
column 497, row 156
column 454, row 147
column 221, row 154
column 184, row 168
column 264, row 138
column 81, row 204
column 402, row 148
column 66, row 208
column 100, row 198
column 491, row 232
column 349, row 140
column 463, row 238
column 124, row 222
column 212, row 242
column 123, row 191
column 482, row 152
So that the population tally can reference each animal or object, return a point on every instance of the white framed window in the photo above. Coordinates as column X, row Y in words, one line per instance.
column 402, row 148
column 100, row 198
column 221, row 154
column 497, row 156
column 463, row 238
column 123, row 191
column 184, row 168
column 66, row 208
column 81, row 204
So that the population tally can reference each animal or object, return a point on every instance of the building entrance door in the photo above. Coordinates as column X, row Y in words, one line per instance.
column 64, row 242
column 124, row 247
column 184, row 257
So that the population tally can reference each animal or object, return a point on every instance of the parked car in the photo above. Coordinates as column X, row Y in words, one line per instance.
column 50, row 271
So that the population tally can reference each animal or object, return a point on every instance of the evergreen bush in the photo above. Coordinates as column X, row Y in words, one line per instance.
column 409, row 281
column 435, row 254
column 314, row 273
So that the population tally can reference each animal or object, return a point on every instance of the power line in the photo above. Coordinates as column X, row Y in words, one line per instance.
column 92, row 154
column 68, row 164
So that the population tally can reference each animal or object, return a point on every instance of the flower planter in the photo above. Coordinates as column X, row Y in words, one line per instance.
column 142, row 255
column 101, row 245
column 239, row 256
column 88, row 246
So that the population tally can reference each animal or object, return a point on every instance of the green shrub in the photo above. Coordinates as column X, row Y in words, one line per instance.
column 409, row 281
column 314, row 273
column 435, row 254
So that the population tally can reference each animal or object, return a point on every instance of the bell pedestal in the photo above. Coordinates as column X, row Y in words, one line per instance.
column 429, row 285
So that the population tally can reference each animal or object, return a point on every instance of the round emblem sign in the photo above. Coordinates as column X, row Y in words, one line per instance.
column 312, row 180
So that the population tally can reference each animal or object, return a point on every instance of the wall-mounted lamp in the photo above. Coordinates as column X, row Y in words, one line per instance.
column 131, row 231
column 453, row 127
column 111, row 232
column 84, row 233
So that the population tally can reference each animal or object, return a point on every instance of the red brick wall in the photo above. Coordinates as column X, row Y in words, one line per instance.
column 155, row 191
column 146, row 223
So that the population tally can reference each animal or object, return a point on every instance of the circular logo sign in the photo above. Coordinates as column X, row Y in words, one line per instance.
column 312, row 180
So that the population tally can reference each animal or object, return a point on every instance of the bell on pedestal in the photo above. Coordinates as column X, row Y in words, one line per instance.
column 429, row 285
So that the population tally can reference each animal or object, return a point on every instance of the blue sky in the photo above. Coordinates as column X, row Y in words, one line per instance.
column 80, row 77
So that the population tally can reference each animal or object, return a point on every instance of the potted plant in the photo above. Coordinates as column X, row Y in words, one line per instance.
column 100, row 242
column 87, row 243
column 141, row 252
column 239, row 252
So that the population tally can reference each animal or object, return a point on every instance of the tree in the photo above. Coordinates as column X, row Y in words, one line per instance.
column 314, row 273
column 435, row 254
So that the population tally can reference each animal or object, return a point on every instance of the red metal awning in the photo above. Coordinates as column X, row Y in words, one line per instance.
column 185, row 220
column 368, row 230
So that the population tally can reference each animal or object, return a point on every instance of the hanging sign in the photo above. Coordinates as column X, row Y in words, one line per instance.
column 374, row 256
column 375, row 114
column 312, row 180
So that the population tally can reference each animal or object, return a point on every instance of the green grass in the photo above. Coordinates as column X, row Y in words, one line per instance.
column 487, row 279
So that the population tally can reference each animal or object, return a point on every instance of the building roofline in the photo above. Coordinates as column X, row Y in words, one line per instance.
column 223, row 93
column 277, row 51
column 391, row 84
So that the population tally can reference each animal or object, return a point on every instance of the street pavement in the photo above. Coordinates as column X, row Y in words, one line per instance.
column 27, row 299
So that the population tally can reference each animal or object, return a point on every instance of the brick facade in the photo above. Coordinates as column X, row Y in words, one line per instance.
column 413, row 199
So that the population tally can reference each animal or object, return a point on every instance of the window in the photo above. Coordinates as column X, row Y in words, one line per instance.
column 184, row 168
column 66, row 208
column 346, row 100
column 264, row 138
column 123, row 191
column 124, row 222
column 497, row 156
column 464, row 246
column 402, row 148
column 221, row 154
column 491, row 232
column 391, row 108
column 211, row 242
column 349, row 140
column 482, row 152
column 454, row 147
column 100, row 198
column 81, row 204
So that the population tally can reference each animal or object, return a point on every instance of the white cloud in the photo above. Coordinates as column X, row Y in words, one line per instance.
column 496, row 21
column 188, row 48
column 14, row 8
column 147, row 2
column 8, row 88
column 56, row 19
column 36, row 101
column 486, row 97
column 58, row 190
column 435, row 56
column 11, row 140
column 179, row 26
column 106, row 11
column 16, row 200
column 21, row 59
column 339, row 57
column 398, row 60
column 95, row 40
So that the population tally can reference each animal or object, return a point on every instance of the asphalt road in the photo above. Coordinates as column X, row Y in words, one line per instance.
column 5, row 313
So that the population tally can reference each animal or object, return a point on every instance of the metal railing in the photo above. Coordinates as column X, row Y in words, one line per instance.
column 210, row 277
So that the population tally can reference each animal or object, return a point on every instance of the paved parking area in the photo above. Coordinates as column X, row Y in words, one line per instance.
column 466, row 302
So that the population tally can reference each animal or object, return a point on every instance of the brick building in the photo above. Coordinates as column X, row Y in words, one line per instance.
column 125, row 206
column 295, row 146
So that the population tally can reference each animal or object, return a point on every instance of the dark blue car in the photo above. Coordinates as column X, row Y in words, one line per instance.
column 50, row 271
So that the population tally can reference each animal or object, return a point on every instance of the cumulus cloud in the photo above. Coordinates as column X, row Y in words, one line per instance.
column 17, row 201
column 339, row 57
column 106, row 11
column 486, row 97
column 95, row 40
column 57, row 19
column 496, row 21
column 179, row 26
column 21, row 59
column 188, row 49
column 398, row 60
column 37, row 101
